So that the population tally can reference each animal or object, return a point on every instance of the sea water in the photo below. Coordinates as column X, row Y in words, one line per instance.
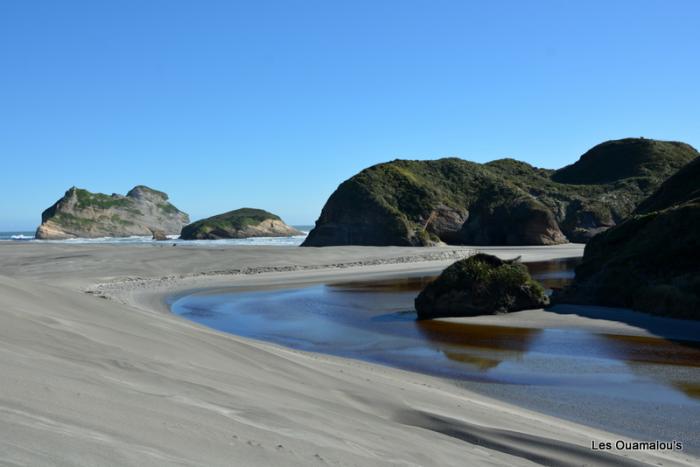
column 294, row 240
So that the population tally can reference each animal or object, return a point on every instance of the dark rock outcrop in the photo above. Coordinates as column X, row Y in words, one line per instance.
column 507, row 202
column 82, row 214
column 241, row 223
column 478, row 285
column 649, row 261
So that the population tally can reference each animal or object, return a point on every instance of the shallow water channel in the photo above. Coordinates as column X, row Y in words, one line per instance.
column 638, row 386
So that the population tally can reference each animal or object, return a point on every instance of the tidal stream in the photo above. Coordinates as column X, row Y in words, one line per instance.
column 646, row 387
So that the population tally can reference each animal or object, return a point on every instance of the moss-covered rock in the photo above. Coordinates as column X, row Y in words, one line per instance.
column 414, row 203
column 83, row 214
column 240, row 223
column 478, row 285
column 649, row 261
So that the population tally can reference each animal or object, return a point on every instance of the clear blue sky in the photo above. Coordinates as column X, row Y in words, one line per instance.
column 224, row 104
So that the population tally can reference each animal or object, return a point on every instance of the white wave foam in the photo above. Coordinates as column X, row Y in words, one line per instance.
column 295, row 240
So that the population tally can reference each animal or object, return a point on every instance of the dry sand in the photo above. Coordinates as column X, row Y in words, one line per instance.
column 95, row 371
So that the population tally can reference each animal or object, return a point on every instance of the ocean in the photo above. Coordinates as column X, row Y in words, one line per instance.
column 296, row 240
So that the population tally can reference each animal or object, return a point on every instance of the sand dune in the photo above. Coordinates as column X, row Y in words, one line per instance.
column 111, row 378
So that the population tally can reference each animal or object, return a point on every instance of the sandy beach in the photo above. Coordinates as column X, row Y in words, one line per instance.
column 97, row 371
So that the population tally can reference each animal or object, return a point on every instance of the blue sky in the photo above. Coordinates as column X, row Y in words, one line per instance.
column 273, row 104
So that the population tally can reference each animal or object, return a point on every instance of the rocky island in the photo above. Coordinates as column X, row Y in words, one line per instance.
column 82, row 214
column 504, row 202
column 478, row 285
column 240, row 223
column 649, row 262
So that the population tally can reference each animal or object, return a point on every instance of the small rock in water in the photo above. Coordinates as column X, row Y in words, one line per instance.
column 480, row 285
column 159, row 235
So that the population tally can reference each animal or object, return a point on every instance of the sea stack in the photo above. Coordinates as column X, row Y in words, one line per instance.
column 240, row 223
column 82, row 214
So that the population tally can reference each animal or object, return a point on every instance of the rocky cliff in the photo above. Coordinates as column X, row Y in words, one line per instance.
column 649, row 261
column 241, row 223
column 80, row 213
column 504, row 202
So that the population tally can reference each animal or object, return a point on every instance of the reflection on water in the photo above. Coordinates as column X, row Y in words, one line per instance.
column 402, row 284
column 375, row 321
column 551, row 274
column 691, row 389
column 554, row 274
column 475, row 336
column 653, row 350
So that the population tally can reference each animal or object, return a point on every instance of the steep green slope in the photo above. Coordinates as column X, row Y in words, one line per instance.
column 649, row 261
column 683, row 186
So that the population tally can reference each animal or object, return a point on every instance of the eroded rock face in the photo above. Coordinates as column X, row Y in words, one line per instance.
column 446, row 223
column 159, row 235
column 82, row 214
column 504, row 202
column 241, row 223
column 522, row 223
column 478, row 285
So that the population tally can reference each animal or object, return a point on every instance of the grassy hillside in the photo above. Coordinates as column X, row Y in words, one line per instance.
column 627, row 158
column 683, row 186
column 405, row 202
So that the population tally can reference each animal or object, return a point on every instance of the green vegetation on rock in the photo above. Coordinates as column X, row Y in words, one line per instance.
column 80, row 213
column 100, row 200
column 240, row 223
column 627, row 158
column 167, row 208
column 480, row 284
column 72, row 221
column 236, row 219
column 406, row 202
column 649, row 261
column 682, row 187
